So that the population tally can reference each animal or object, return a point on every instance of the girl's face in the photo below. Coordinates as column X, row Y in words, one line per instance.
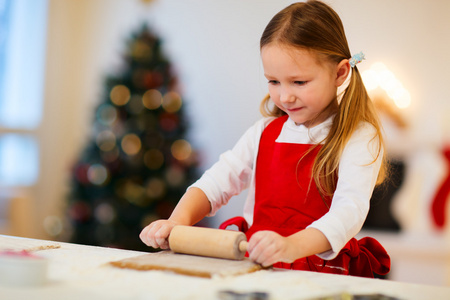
column 299, row 84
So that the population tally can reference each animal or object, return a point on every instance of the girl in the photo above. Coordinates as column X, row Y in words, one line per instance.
column 311, row 164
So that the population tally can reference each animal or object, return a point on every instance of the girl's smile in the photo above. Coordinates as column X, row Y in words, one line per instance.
column 294, row 109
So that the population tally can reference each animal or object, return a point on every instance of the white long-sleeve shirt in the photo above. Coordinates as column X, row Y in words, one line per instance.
column 235, row 171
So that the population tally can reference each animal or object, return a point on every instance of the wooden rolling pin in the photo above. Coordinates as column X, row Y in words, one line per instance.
column 208, row 242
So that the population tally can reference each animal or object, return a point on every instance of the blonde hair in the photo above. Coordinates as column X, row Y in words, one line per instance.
column 315, row 26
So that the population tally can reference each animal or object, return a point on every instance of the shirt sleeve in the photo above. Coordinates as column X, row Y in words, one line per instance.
column 232, row 173
column 357, row 175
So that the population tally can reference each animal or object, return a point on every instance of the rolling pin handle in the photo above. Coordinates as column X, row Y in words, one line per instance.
column 243, row 246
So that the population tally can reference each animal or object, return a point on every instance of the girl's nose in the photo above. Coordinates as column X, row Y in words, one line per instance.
column 286, row 95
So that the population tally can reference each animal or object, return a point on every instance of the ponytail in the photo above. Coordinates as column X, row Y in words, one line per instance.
column 354, row 109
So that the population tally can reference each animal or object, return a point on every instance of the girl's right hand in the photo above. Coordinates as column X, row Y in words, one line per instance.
column 156, row 234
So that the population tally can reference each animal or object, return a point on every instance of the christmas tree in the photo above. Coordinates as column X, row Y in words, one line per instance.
column 137, row 163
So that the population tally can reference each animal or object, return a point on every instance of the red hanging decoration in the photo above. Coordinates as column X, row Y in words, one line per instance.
column 439, row 203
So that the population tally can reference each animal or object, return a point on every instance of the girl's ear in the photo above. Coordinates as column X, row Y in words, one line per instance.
column 342, row 71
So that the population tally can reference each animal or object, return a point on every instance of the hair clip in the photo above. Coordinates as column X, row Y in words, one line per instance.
column 356, row 58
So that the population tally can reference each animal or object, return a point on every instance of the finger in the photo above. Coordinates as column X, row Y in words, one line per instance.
column 265, row 256
column 264, row 248
column 257, row 247
column 269, row 261
column 144, row 234
column 150, row 234
column 162, row 235
column 157, row 235
column 269, row 256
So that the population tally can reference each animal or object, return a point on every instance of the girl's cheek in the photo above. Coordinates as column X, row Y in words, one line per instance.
column 274, row 95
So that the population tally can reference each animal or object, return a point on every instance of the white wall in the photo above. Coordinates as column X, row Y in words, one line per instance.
column 214, row 46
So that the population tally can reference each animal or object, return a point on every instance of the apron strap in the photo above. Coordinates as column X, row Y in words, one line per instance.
column 237, row 221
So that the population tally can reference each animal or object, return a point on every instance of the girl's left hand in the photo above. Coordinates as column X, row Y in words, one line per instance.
column 268, row 248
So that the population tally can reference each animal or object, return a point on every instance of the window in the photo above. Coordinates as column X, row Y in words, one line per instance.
column 22, row 62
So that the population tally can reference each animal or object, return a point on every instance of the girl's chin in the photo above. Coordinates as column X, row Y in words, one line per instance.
column 306, row 123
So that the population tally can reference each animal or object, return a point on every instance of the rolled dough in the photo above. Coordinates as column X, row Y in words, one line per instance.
column 188, row 264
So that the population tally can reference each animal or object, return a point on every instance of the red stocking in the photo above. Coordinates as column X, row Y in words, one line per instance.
column 438, row 206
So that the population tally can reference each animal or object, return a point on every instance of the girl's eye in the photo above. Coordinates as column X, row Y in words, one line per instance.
column 273, row 82
column 300, row 82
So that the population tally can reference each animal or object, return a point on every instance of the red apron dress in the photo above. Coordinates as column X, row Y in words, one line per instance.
column 287, row 200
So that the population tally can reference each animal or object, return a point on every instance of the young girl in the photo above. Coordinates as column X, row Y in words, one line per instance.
column 310, row 165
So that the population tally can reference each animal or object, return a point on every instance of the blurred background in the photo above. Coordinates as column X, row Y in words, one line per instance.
column 110, row 108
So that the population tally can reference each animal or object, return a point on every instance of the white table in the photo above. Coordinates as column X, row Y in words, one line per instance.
column 416, row 257
column 83, row 272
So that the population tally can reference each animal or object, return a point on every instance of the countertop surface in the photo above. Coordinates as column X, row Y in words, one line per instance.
column 83, row 272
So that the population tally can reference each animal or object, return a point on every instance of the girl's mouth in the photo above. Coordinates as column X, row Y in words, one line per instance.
column 294, row 109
